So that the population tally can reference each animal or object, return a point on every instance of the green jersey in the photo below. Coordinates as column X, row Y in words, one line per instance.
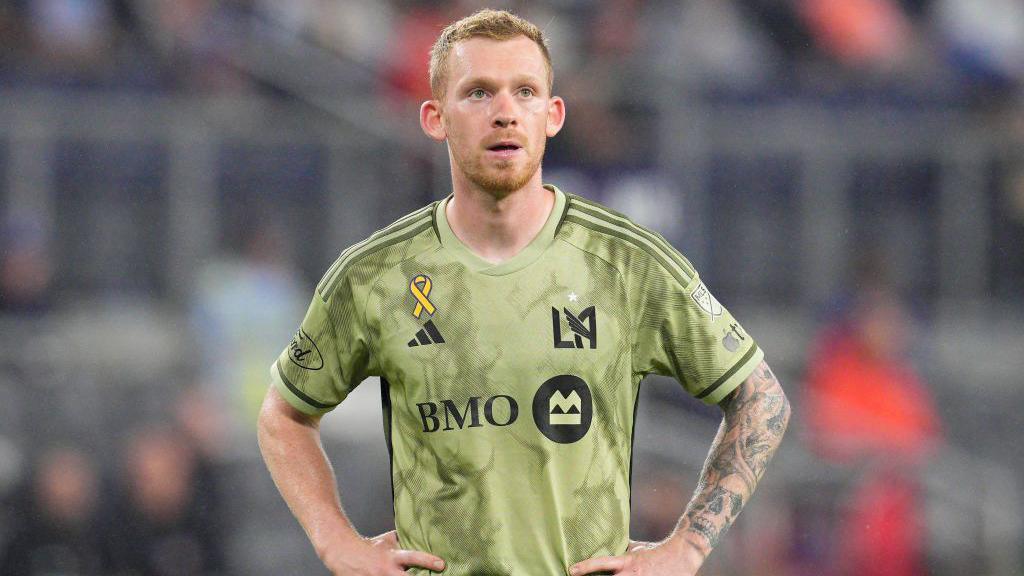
column 509, row 389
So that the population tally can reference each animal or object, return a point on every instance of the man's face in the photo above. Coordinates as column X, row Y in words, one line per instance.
column 497, row 113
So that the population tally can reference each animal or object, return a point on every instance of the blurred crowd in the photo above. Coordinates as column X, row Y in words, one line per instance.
column 955, row 51
column 616, row 61
column 157, row 516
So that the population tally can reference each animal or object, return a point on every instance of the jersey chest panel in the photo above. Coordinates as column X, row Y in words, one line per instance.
column 543, row 352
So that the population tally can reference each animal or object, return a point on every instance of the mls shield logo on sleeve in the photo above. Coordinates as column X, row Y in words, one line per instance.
column 706, row 301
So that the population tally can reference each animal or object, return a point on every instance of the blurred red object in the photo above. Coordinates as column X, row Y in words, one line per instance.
column 884, row 532
column 406, row 71
column 858, row 31
column 864, row 398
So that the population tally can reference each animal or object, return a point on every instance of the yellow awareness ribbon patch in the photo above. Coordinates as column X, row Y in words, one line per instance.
column 420, row 288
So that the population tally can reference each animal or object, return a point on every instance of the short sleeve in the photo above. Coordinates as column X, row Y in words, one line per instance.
column 327, row 357
column 683, row 331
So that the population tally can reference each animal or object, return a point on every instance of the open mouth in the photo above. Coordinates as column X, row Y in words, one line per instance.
column 504, row 147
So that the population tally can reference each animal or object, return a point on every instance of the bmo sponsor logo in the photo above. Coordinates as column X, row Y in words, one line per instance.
column 562, row 410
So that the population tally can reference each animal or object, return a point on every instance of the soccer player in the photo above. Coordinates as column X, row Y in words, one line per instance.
column 510, row 325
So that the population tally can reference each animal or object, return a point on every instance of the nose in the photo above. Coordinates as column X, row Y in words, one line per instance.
column 504, row 111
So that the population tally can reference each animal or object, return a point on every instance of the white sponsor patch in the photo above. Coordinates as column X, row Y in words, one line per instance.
column 706, row 301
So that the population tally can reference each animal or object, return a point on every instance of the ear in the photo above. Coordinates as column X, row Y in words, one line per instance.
column 556, row 116
column 430, row 120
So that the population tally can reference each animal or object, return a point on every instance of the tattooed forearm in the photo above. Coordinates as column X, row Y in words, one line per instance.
column 756, row 416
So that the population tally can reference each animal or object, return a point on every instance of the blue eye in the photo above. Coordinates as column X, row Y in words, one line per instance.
column 477, row 94
column 526, row 92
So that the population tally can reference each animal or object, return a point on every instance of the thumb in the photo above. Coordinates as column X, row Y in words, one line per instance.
column 388, row 539
column 603, row 564
column 635, row 545
column 415, row 558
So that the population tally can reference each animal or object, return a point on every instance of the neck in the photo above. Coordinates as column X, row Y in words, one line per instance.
column 494, row 227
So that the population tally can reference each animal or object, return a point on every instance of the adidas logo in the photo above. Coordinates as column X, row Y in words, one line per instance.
column 429, row 334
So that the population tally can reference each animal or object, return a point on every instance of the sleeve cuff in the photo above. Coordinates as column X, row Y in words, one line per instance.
column 733, row 377
column 297, row 398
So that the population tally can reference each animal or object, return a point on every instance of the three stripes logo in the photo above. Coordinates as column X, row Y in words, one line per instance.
column 429, row 334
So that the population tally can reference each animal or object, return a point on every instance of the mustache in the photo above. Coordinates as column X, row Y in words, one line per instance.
column 507, row 136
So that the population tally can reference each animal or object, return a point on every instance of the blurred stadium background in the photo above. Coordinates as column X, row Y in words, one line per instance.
column 175, row 175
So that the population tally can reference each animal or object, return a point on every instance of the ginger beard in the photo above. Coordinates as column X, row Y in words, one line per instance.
column 500, row 176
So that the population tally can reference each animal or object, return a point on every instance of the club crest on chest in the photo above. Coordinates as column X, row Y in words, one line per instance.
column 581, row 327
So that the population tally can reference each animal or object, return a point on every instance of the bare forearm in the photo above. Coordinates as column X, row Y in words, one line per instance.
column 756, row 416
column 290, row 443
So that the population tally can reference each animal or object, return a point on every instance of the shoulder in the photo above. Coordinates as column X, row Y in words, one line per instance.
column 364, row 262
column 615, row 237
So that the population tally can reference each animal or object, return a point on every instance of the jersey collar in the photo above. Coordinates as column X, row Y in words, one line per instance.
column 536, row 247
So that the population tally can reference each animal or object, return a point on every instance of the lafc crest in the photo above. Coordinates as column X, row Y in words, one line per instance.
column 582, row 327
